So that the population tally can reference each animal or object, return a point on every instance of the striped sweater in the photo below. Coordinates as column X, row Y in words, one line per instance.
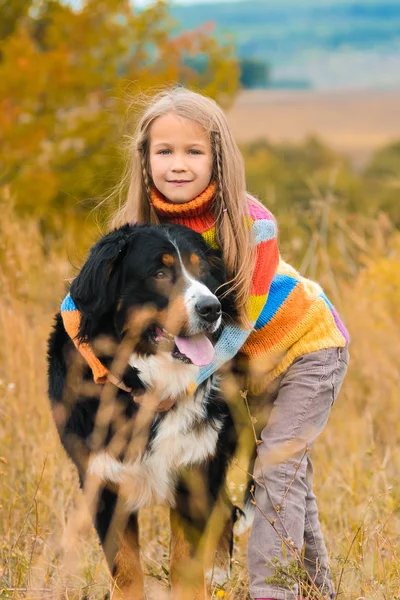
column 290, row 315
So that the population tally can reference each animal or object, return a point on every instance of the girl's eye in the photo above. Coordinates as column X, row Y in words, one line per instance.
column 164, row 151
column 194, row 152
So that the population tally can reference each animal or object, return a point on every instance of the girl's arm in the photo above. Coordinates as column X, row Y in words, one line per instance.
column 267, row 257
column 72, row 318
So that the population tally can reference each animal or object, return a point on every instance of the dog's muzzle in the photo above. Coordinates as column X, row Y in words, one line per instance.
column 208, row 308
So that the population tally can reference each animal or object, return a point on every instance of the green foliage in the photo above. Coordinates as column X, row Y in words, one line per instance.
column 330, row 216
column 288, row 575
column 284, row 174
column 290, row 177
column 383, row 177
column 254, row 73
column 11, row 13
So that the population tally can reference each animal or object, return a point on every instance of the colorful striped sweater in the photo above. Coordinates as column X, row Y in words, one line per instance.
column 290, row 315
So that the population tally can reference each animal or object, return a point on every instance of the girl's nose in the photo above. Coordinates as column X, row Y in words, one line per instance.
column 178, row 164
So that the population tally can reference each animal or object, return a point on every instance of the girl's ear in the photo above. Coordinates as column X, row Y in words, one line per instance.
column 95, row 289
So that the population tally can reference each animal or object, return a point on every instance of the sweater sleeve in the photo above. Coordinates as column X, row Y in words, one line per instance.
column 71, row 318
column 267, row 257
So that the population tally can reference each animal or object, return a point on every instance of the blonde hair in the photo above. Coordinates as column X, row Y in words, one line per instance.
column 231, row 202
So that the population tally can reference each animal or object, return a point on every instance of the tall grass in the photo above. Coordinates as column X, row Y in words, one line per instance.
column 47, row 544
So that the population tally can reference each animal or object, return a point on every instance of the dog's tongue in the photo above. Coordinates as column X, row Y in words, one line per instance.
column 197, row 347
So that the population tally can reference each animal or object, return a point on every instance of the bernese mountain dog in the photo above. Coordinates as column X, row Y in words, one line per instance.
column 152, row 301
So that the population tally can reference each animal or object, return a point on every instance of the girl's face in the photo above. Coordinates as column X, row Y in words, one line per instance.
column 180, row 158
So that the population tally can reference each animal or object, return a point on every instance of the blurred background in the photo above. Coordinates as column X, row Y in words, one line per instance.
column 311, row 89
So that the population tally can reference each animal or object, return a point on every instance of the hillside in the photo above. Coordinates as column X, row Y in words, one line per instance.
column 323, row 44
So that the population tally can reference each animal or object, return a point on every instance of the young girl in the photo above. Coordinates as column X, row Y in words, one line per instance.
column 187, row 169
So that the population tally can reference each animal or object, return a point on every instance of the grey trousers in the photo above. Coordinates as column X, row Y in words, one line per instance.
column 286, row 514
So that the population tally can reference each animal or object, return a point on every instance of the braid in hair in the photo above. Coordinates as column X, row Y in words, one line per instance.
column 223, row 217
column 152, row 216
column 218, row 164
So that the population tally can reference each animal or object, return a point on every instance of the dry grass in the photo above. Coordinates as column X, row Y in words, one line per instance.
column 47, row 545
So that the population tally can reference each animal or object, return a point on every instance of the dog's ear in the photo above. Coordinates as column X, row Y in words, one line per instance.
column 96, row 287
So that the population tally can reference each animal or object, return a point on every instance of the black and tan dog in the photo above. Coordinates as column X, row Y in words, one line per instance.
column 148, row 298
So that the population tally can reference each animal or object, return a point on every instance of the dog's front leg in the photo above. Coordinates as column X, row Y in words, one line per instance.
column 189, row 522
column 186, row 560
column 119, row 535
column 219, row 544
column 127, row 571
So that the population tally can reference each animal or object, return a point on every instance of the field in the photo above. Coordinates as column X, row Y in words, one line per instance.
column 48, row 548
column 354, row 123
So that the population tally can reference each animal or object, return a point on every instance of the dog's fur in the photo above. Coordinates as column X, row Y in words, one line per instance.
column 168, row 277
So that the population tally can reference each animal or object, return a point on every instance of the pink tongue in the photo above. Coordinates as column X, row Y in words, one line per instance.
column 197, row 347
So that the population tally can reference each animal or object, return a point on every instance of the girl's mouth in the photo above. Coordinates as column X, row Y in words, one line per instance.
column 178, row 183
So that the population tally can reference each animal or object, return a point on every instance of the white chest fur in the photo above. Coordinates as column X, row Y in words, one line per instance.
column 182, row 438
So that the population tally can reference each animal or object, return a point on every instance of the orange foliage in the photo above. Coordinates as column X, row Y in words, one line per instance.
column 65, row 74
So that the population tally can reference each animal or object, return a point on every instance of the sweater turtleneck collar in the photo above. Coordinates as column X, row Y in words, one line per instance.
column 194, row 208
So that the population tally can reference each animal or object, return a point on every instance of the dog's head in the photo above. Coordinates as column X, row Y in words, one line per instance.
column 167, row 268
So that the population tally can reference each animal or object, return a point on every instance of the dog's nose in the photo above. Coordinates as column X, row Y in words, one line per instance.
column 208, row 308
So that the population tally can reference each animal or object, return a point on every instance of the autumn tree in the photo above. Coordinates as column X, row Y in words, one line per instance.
column 65, row 76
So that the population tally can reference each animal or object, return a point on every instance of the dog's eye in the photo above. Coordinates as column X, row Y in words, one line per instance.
column 161, row 275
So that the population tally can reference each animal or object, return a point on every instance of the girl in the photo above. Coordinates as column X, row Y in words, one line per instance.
column 187, row 169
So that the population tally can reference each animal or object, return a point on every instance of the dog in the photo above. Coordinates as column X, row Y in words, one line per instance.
column 157, row 294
